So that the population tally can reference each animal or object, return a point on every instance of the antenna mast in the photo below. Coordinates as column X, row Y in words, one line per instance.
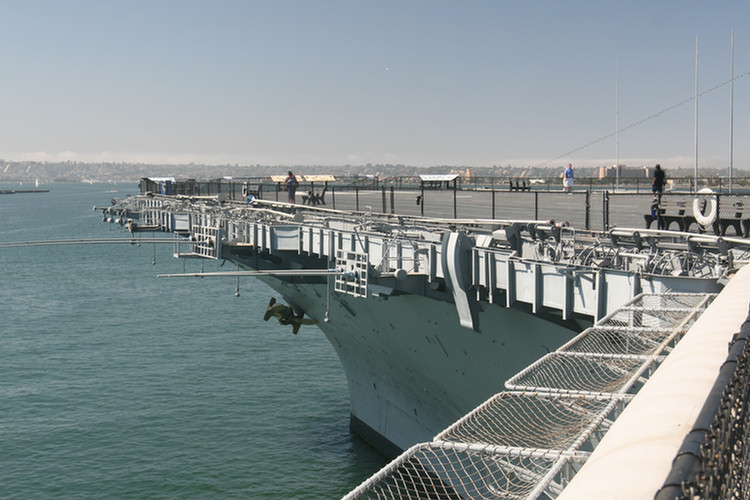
column 731, row 119
column 617, row 121
column 696, row 115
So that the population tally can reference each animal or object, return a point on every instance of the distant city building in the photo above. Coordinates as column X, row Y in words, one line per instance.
column 625, row 172
column 464, row 174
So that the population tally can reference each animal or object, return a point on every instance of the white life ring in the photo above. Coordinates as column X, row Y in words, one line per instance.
column 709, row 217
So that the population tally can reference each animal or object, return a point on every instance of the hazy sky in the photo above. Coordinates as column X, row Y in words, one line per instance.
column 423, row 83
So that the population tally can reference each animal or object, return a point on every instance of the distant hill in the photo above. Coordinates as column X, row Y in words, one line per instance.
column 48, row 172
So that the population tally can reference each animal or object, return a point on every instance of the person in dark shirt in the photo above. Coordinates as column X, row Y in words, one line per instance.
column 290, row 185
column 657, row 186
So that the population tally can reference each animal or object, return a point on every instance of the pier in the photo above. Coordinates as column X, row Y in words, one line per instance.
column 592, row 207
column 23, row 191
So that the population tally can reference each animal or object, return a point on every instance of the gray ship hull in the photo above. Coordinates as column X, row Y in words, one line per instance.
column 411, row 368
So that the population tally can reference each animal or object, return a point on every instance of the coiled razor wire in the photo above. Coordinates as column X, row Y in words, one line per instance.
column 714, row 460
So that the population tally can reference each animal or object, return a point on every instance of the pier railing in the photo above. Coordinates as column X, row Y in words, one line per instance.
column 591, row 206
column 269, row 188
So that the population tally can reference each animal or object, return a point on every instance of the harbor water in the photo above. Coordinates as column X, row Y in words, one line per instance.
column 117, row 384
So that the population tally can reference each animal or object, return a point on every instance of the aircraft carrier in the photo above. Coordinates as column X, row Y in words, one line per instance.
column 428, row 315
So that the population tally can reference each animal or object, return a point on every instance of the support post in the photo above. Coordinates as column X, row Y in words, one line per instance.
column 455, row 209
column 605, row 211
column 587, row 223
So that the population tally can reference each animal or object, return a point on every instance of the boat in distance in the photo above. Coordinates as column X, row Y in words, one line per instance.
column 428, row 317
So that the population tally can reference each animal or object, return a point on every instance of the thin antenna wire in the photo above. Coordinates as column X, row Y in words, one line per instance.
column 639, row 122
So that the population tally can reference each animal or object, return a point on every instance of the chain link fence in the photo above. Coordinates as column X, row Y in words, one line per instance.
column 714, row 460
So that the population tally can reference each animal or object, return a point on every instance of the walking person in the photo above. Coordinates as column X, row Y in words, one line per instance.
column 657, row 185
column 290, row 185
column 568, row 179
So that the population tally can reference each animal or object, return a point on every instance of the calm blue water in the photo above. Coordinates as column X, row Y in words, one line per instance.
column 116, row 384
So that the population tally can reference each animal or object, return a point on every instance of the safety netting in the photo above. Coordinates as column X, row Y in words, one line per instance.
column 531, row 420
column 645, row 317
column 440, row 471
column 656, row 311
column 620, row 341
column 684, row 301
column 577, row 373
column 528, row 441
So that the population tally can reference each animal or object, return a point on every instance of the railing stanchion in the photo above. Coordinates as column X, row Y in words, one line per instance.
column 455, row 208
column 717, row 225
column 605, row 210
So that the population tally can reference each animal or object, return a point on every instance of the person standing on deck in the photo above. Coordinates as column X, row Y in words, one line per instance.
column 568, row 179
column 290, row 185
column 657, row 186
